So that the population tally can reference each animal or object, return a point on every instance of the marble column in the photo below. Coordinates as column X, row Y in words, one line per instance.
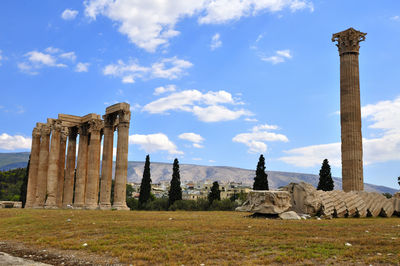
column 106, row 166
column 70, row 168
column 121, row 167
column 61, row 166
column 52, row 172
column 93, row 172
column 33, row 168
column 41, row 185
column 81, row 170
column 350, row 109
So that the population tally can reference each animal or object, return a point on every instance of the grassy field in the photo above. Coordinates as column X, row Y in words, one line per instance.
column 189, row 238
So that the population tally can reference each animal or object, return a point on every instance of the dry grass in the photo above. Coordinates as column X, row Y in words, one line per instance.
column 205, row 237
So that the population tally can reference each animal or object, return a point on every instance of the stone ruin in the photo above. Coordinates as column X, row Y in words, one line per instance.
column 303, row 198
column 57, row 179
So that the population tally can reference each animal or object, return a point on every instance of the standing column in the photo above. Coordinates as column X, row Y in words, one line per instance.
column 93, row 173
column 81, row 170
column 121, row 167
column 41, row 185
column 350, row 109
column 61, row 166
column 106, row 166
column 52, row 172
column 33, row 169
column 70, row 169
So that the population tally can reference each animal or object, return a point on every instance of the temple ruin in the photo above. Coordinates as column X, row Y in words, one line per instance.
column 57, row 179
column 350, row 109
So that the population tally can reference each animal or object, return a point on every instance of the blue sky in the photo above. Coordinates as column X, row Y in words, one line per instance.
column 212, row 82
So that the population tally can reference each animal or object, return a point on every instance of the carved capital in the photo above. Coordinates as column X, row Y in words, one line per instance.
column 109, row 120
column 95, row 125
column 45, row 130
column 124, row 116
column 64, row 133
column 36, row 132
column 83, row 129
column 72, row 132
column 348, row 40
column 56, row 125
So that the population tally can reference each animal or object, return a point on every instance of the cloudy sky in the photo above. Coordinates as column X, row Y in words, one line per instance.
column 212, row 82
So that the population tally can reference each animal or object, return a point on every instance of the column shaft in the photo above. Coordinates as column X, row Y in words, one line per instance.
column 121, row 167
column 61, row 167
column 81, row 170
column 41, row 185
column 93, row 173
column 106, row 166
column 70, row 168
column 52, row 172
column 33, row 169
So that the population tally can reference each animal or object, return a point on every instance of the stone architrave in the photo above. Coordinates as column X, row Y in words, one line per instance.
column 106, row 166
column 350, row 108
column 54, row 159
column 61, row 166
column 121, row 167
column 41, row 185
column 70, row 168
column 81, row 170
column 33, row 168
column 93, row 172
column 266, row 202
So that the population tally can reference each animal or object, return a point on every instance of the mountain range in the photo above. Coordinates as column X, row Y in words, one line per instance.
column 200, row 173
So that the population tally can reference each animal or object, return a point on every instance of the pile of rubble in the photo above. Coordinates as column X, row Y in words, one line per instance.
column 302, row 198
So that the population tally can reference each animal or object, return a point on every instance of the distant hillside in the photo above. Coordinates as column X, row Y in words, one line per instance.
column 191, row 172
column 10, row 161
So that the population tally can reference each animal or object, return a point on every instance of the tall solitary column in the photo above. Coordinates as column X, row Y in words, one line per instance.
column 106, row 166
column 121, row 167
column 61, row 166
column 33, row 168
column 350, row 108
column 93, row 170
column 52, row 172
column 41, row 185
column 70, row 168
column 81, row 170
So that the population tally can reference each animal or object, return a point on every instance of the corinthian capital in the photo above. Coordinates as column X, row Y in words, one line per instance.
column 45, row 130
column 36, row 132
column 64, row 133
column 124, row 116
column 95, row 125
column 348, row 40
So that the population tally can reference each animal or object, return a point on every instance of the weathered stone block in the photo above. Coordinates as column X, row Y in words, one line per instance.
column 266, row 202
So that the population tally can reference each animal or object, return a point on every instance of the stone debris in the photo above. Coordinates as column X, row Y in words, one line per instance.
column 266, row 202
column 348, row 245
column 290, row 215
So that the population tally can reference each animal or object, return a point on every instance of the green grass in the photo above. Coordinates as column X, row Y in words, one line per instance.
column 142, row 237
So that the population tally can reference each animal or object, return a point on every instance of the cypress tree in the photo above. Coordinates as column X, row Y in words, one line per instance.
column 175, row 191
column 325, row 177
column 398, row 180
column 261, row 179
column 215, row 193
column 145, row 186
column 24, row 185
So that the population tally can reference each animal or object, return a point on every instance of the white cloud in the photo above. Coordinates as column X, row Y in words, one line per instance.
column 251, row 119
column 50, row 57
column 207, row 107
column 167, row 68
column 69, row 14
column 161, row 90
column 215, row 41
column 69, row 55
column 196, row 139
column 279, row 57
column 8, row 142
column 82, row 67
column 255, row 140
column 383, row 116
column 1, row 56
column 154, row 143
column 151, row 23
column 395, row 18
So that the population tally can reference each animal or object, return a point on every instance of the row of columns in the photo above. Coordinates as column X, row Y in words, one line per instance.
column 58, row 180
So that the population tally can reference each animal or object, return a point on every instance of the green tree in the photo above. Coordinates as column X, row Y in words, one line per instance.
column 325, row 177
column 215, row 193
column 145, row 186
column 24, row 185
column 261, row 179
column 398, row 180
column 175, row 190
